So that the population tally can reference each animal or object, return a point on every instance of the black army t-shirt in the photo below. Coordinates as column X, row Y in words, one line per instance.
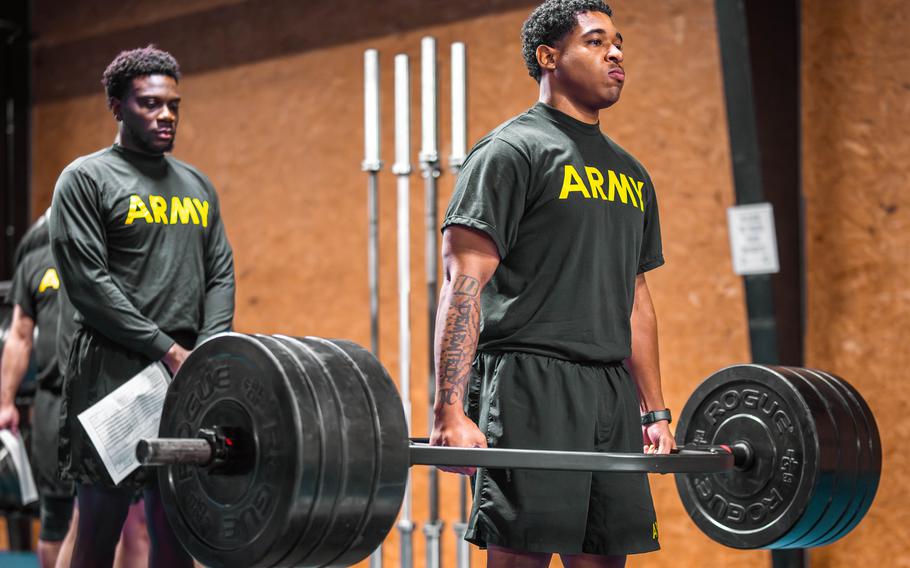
column 35, row 289
column 574, row 218
column 141, row 249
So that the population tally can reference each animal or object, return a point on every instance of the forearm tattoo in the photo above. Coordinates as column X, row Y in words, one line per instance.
column 459, row 339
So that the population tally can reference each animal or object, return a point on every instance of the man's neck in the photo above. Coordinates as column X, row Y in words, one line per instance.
column 567, row 105
column 127, row 143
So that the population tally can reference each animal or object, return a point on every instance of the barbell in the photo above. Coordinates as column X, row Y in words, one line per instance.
column 285, row 451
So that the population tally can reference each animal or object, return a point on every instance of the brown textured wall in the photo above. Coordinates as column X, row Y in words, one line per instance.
column 58, row 26
column 273, row 115
column 856, row 113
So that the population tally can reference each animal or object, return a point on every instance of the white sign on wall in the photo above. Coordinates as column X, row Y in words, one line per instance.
column 753, row 242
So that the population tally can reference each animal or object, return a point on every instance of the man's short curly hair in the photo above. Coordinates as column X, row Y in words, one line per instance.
column 549, row 23
column 147, row 60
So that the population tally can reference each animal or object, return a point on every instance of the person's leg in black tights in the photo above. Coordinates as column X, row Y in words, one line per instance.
column 165, row 551
column 102, row 511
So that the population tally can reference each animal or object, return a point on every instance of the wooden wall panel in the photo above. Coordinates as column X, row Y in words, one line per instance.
column 856, row 112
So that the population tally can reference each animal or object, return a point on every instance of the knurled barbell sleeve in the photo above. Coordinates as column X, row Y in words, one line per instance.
column 172, row 451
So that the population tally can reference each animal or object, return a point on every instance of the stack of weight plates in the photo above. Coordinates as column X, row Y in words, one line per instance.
column 816, row 457
column 328, row 459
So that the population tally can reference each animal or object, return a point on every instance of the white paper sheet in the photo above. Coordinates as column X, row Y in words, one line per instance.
column 116, row 423
column 13, row 444
column 753, row 241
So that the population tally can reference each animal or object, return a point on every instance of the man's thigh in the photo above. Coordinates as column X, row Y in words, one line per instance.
column 527, row 401
column 592, row 561
column 501, row 557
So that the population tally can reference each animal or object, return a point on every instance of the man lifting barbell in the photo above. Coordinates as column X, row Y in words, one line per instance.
column 546, row 242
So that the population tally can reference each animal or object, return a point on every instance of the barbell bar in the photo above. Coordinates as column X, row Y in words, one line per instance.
column 204, row 451
column 294, row 452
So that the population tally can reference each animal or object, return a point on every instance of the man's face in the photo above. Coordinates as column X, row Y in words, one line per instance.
column 149, row 113
column 589, row 65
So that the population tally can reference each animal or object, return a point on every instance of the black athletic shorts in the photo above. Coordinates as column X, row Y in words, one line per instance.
column 521, row 400
column 56, row 495
column 96, row 367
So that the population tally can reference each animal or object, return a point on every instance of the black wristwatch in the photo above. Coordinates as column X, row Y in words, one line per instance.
column 656, row 416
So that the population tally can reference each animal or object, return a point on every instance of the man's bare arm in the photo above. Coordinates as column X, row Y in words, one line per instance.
column 469, row 260
column 455, row 347
column 14, row 365
column 644, row 364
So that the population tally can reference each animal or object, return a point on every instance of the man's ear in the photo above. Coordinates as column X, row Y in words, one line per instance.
column 547, row 57
column 116, row 105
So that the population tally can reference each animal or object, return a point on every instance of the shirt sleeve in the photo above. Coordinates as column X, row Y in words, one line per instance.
column 20, row 292
column 79, row 246
column 491, row 191
column 651, row 255
column 218, row 312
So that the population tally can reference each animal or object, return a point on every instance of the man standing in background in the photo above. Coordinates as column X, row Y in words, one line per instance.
column 144, row 259
column 35, row 299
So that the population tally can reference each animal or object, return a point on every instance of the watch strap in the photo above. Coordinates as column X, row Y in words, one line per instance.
column 656, row 416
